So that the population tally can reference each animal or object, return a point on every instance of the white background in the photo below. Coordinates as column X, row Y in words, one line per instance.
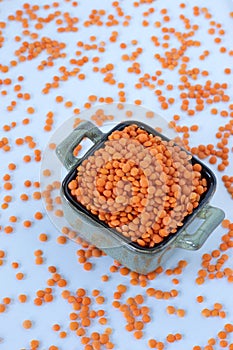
column 21, row 244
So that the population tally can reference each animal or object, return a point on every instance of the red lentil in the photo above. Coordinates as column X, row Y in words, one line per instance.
column 27, row 324
column 22, row 298
column 194, row 98
column 150, row 239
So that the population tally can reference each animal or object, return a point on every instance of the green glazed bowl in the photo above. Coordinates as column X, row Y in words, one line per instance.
column 96, row 232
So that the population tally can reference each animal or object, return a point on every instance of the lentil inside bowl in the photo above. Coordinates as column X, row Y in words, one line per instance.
column 139, row 184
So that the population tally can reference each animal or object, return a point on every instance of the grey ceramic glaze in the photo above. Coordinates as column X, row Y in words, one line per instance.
column 135, row 258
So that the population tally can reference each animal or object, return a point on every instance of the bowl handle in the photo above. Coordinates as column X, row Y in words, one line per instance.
column 65, row 149
column 212, row 217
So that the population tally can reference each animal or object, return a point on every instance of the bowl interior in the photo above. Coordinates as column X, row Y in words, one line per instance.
column 205, row 197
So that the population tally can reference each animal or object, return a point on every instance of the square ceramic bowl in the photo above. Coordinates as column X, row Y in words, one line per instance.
column 113, row 243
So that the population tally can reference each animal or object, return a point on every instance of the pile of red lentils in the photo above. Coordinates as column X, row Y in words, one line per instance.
column 139, row 184
column 61, row 58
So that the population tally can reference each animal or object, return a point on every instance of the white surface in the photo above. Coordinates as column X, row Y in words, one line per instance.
column 22, row 243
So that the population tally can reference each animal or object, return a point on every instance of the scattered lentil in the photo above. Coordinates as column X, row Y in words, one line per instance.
column 194, row 98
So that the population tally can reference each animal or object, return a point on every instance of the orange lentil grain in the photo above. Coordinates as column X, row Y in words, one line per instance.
column 152, row 343
column 34, row 344
column 27, row 324
column 61, row 240
column 22, row 298
column 7, row 186
column 200, row 299
column 30, row 110
column 2, row 308
column 180, row 312
column 38, row 252
column 87, row 266
column 19, row 276
column 62, row 334
column 170, row 338
column 43, row 237
column 38, row 215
